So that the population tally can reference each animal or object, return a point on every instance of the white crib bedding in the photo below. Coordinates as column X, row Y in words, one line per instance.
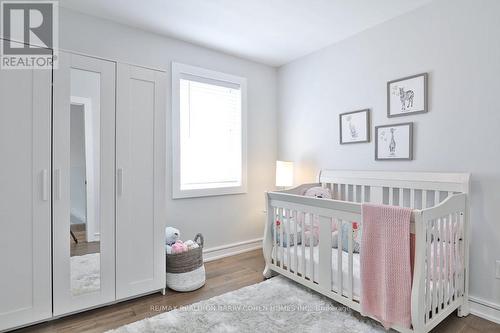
column 345, row 266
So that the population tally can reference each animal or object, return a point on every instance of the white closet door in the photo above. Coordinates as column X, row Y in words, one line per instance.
column 140, row 162
column 84, row 117
column 25, row 274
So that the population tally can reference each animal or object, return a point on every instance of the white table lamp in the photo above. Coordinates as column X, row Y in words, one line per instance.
column 284, row 174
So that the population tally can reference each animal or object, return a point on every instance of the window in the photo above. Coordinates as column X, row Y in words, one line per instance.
column 209, row 132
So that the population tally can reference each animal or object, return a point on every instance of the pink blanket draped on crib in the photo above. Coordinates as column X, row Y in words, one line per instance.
column 385, row 266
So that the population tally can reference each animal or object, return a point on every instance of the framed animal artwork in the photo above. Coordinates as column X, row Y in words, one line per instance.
column 355, row 126
column 407, row 95
column 394, row 142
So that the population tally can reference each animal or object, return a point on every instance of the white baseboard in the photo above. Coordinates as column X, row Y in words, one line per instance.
column 218, row 252
column 484, row 309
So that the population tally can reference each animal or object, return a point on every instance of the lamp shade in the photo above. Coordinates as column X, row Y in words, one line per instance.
column 284, row 173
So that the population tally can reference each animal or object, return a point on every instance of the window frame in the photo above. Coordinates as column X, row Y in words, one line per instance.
column 178, row 71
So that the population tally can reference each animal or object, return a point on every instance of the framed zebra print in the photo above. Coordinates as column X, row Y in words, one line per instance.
column 407, row 96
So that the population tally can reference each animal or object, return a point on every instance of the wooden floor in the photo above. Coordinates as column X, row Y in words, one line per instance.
column 222, row 276
column 82, row 247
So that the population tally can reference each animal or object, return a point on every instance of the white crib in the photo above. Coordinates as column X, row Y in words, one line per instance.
column 440, row 205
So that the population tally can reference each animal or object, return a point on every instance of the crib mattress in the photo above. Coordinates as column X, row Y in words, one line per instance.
column 345, row 268
column 315, row 272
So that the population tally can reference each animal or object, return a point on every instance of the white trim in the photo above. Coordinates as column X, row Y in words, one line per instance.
column 485, row 309
column 232, row 249
column 178, row 70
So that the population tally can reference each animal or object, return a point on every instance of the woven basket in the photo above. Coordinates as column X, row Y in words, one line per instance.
column 185, row 271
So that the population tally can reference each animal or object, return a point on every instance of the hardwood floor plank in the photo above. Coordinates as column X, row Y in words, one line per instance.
column 223, row 275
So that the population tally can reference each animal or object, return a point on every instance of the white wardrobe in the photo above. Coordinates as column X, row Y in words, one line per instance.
column 82, row 187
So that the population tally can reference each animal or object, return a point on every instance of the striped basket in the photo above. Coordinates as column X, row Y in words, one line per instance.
column 185, row 271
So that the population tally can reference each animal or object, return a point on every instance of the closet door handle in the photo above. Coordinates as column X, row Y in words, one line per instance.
column 45, row 185
column 57, row 184
column 119, row 181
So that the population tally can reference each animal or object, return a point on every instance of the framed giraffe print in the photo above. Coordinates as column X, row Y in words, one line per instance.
column 407, row 96
column 394, row 142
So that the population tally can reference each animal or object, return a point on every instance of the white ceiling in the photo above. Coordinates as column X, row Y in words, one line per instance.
column 273, row 32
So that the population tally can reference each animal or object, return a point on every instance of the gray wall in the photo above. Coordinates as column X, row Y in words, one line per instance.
column 458, row 44
column 223, row 219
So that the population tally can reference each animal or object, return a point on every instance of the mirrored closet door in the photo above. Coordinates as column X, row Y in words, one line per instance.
column 83, row 183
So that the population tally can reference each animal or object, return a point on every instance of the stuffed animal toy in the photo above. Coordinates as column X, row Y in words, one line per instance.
column 288, row 232
column 356, row 237
column 179, row 247
column 191, row 244
column 311, row 226
column 318, row 192
column 171, row 235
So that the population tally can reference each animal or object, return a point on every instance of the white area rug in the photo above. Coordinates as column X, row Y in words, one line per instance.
column 275, row 305
column 85, row 274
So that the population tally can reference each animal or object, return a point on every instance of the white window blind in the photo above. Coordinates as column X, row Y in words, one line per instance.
column 210, row 134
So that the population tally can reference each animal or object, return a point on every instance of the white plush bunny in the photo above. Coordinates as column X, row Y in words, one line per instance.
column 172, row 235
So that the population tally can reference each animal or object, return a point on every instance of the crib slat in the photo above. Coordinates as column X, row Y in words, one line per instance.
column 462, row 256
column 434, row 269
column 363, row 193
column 441, row 263
column 303, row 247
column 350, row 250
column 275, row 237
column 282, row 226
column 455, row 251
column 448, row 259
column 325, row 253
column 454, row 256
column 428, row 306
column 311, row 248
column 444, row 241
column 436, row 198
column 295, row 242
column 288, row 240
column 391, row 196
column 401, row 197
column 424, row 199
column 339, row 258
column 412, row 198
column 355, row 193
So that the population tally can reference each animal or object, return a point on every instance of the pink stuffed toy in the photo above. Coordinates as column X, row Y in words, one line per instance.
column 311, row 228
column 179, row 247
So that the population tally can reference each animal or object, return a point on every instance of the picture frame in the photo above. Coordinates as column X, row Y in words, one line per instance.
column 354, row 127
column 407, row 95
column 394, row 142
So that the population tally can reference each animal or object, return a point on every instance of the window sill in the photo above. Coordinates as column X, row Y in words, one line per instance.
column 209, row 192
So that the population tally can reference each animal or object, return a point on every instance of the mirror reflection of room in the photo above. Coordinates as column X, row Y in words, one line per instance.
column 84, row 182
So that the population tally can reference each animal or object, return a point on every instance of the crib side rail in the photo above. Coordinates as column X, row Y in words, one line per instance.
column 439, row 280
column 312, row 265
